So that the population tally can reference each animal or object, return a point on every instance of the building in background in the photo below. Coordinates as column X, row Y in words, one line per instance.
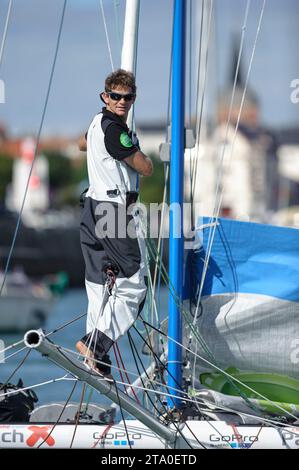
column 248, row 171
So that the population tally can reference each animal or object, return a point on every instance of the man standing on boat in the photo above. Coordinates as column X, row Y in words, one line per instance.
column 115, row 270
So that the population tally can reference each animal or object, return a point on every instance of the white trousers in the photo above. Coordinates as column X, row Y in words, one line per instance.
column 121, row 309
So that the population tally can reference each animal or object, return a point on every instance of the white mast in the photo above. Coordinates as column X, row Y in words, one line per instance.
column 129, row 49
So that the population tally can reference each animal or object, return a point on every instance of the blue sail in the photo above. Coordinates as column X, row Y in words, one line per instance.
column 249, row 308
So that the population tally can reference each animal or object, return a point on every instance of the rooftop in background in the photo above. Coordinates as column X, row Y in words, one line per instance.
column 13, row 146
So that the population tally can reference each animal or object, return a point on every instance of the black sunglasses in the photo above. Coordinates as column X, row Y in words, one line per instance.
column 118, row 96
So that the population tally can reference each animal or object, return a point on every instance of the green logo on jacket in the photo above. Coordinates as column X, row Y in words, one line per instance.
column 125, row 140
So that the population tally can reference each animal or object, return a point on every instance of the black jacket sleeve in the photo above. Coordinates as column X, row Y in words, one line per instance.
column 118, row 142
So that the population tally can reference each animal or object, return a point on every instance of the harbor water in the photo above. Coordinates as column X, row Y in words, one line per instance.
column 37, row 369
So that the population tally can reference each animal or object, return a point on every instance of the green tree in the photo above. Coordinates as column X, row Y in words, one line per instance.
column 60, row 169
column 6, row 164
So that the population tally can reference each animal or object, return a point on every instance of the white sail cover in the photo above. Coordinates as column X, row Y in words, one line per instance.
column 249, row 312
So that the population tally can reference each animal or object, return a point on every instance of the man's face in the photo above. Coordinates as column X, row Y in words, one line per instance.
column 119, row 107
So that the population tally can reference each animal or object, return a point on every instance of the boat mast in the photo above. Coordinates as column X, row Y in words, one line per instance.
column 129, row 49
column 176, row 242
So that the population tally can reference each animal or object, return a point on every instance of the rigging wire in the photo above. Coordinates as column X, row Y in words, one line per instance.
column 135, row 351
column 147, row 390
column 117, row 351
column 47, row 382
column 196, row 334
column 106, row 33
column 116, row 20
column 167, row 386
column 179, row 396
column 243, row 95
column 166, row 168
column 179, row 303
column 16, row 369
column 120, row 371
column 103, row 436
column 168, row 394
column 88, row 400
column 277, row 424
column 3, row 42
column 122, row 415
column 140, row 387
column 159, row 248
column 153, row 299
column 36, row 145
column 64, row 325
column 177, row 300
column 168, row 412
column 227, row 127
column 158, row 322
column 60, row 415
column 190, row 95
column 272, row 422
column 11, row 346
column 198, row 119
column 201, row 107
column 159, row 384
column 199, row 51
column 194, row 363
column 94, row 372
column 78, row 414
column 158, row 260
column 204, row 345
column 15, row 353
column 258, row 434
column 14, row 345
column 61, row 348
column 206, row 361
column 220, row 167
column 219, row 201
column 31, row 168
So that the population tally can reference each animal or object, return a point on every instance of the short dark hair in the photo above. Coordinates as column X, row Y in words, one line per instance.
column 120, row 78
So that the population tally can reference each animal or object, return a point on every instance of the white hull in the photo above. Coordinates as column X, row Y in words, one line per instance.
column 21, row 313
column 211, row 435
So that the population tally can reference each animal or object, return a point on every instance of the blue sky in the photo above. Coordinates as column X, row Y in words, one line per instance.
column 83, row 60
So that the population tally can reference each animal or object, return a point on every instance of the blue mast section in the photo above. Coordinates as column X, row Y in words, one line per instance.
column 176, row 242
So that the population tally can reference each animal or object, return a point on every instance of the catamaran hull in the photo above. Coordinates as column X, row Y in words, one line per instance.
column 204, row 434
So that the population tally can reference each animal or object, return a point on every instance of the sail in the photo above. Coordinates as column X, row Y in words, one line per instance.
column 249, row 308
